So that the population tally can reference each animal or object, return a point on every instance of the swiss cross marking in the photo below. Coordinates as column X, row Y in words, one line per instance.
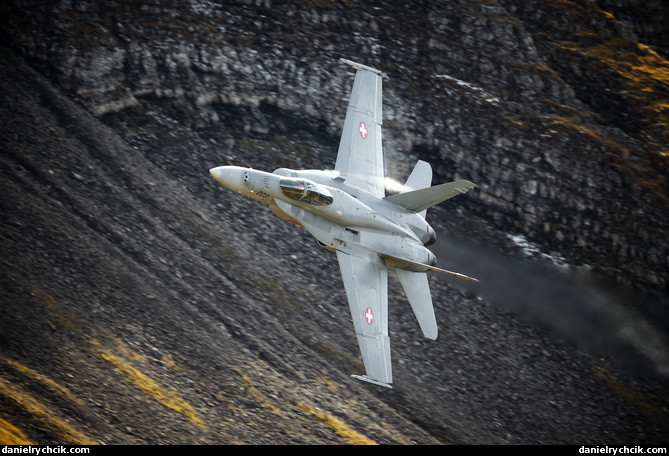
column 369, row 316
column 362, row 128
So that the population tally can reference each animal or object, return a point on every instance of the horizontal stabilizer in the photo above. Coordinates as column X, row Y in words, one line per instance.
column 402, row 263
column 454, row 274
column 420, row 200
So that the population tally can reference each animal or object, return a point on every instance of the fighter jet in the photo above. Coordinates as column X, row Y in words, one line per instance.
column 346, row 209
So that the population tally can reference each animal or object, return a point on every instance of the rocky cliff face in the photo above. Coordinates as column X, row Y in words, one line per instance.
column 555, row 109
column 136, row 290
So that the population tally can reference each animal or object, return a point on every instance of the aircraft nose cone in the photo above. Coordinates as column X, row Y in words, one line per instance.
column 229, row 176
column 215, row 172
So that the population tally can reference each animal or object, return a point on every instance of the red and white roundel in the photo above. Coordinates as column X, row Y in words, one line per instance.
column 362, row 128
column 369, row 316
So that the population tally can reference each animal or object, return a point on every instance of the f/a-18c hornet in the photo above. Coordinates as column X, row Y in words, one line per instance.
column 348, row 212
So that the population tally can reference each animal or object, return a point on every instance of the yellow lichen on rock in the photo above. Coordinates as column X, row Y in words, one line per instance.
column 148, row 386
column 11, row 435
column 46, row 381
column 348, row 434
column 43, row 414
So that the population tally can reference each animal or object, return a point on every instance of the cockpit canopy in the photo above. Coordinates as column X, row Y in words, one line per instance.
column 305, row 191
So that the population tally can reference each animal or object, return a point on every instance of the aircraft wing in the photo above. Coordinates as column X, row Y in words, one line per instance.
column 360, row 154
column 365, row 279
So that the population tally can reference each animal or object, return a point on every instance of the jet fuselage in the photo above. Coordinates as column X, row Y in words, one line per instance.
column 325, row 203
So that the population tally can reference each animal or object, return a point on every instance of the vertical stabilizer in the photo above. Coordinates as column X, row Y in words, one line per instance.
column 420, row 178
column 417, row 289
